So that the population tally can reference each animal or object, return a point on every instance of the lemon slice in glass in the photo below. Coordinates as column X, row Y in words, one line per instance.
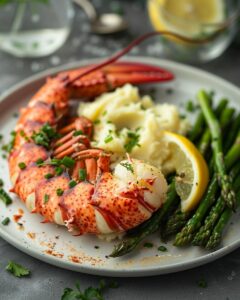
column 186, row 17
column 191, row 169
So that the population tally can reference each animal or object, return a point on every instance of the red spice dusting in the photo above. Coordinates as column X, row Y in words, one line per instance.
column 53, row 253
column 31, row 235
column 74, row 259
column 16, row 217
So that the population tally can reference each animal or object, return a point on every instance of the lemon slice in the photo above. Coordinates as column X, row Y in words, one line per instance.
column 186, row 17
column 192, row 171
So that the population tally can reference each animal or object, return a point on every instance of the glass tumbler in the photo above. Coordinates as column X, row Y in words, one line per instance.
column 34, row 28
column 217, row 40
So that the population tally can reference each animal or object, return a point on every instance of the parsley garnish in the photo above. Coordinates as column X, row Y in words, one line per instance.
column 132, row 141
column 78, row 132
column 82, row 174
column 59, row 192
column 202, row 283
column 45, row 135
column 46, row 198
column 1, row 183
column 5, row 221
column 128, row 166
column 22, row 165
column 72, row 183
column 68, row 162
column 96, row 122
column 39, row 162
column 148, row 245
column 89, row 293
column 108, row 139
column 59, row 171
column 16, row 269
column 162, row 248
column 48, row 175
column 5, row 197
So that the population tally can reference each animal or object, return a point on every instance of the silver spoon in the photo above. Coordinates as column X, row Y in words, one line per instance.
column 105, row 23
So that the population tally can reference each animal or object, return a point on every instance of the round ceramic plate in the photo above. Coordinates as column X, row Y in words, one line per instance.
column 53, row 244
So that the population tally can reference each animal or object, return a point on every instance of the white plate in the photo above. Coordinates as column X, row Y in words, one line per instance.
column 56, row 246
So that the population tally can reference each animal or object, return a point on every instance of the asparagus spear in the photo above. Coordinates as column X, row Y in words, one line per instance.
column 174, row 223
column 187, row 233
column 204, row 232
column 225, row 118
column 224, row 180
column 233, row 131
column 198, row 126
column 217, row 232
column 149, row 227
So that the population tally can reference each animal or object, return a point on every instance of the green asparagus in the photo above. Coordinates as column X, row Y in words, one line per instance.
column 232, row 133
column 187, row 233
column 225, row 118
column 219, row 163
column 174, row 223
column 217, row 232
column 204, row 232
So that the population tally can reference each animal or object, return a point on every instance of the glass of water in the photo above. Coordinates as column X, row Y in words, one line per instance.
column 34, row 28
column 195, row 19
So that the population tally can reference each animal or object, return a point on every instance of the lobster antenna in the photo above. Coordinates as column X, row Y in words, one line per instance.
column 136, row 42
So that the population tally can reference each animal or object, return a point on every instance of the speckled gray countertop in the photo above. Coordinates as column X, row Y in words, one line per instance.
column 47, row 282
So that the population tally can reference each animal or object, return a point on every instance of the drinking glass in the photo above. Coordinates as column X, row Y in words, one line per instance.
column 34, row 28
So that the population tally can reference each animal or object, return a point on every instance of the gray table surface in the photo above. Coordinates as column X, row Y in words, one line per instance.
column 47, row 282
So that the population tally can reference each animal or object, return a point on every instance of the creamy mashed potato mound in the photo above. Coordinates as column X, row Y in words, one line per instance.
column 126, row 122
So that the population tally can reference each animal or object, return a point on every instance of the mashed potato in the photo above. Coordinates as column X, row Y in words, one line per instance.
column 126, row 122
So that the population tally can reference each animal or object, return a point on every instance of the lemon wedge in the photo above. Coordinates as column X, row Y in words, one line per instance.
column 186, row 17
column 191, row 169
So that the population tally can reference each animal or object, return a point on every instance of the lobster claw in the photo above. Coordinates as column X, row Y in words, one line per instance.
column 116, row 75
column 121, row 73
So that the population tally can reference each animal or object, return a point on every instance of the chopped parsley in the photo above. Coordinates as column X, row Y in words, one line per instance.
column 1, row 137
column 78, row 132
column 46, row 198
column 89, row 293
column 108, row 139
column 59, row 192
column 190, row 107
column 148, row 245
column 132, row 141
column 72, row 183
column 45, row 135
column 5, row 221
column 22, row 165
column 104, row 113
column 48, row 175
column 1, row 183
column 59, row 171
column 162, row 248
column 68, row 162
column 39, row 162
column 96, row 122
column 16, row 269
column 202, row 283
column 5, row 197
column 82, row 174
column 128, row 166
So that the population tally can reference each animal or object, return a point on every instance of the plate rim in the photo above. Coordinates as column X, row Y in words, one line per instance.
column 149, row 271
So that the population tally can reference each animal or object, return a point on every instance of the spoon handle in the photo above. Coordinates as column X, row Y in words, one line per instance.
column 88, row 8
